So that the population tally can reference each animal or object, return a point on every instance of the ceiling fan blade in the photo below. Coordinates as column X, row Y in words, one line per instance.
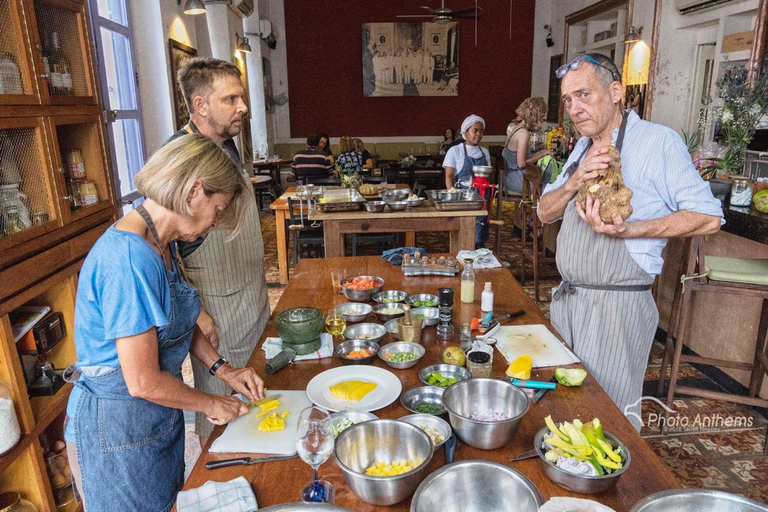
column 415, row 16
column 464, row 11
column 466, row 16
column 430, row 9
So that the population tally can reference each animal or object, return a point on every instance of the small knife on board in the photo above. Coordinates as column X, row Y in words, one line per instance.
column 540, row 393
column 245, row 461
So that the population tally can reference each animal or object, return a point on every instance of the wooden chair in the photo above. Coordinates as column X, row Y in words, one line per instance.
column 503, row 195
column 730, row 276
column 262, row 186
column 308, row 242
column 536, row 254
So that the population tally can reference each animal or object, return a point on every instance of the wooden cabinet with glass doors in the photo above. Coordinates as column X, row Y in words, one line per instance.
column 56, row 199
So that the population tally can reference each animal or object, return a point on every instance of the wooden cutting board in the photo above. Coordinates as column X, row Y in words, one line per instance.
column 536, row 341
column 243, row 434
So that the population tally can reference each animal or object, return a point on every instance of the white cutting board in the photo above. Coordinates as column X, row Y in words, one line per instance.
column 536, row 341
column 243, row 434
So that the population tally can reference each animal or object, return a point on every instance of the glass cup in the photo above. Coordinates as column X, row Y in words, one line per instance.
column 335, row 323
column 319, row 491
column 314, row 444
column 337, row 276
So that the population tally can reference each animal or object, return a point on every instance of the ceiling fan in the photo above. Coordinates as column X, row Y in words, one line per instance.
column 443, row 15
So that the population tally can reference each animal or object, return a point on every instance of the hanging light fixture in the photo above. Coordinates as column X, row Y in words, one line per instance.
column 242, row 43
column 194, row 7
column 634, row 35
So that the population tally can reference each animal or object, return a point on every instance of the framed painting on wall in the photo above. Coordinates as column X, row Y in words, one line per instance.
column 553, row 98
column 180, row 54
column 410, row 59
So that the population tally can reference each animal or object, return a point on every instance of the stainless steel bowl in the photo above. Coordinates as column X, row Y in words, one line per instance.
column 476, row 485
column 391, row 327
column 393, row 296
column 383, row 317
column 697, row 500
column 422, row 296
column 304, row 507
column 438, row 424
column 361, row 295
column 576, row 483
column 446, row 370
column 447, row 195
column 401, row 346
column 374, row 206
column 414, row 203
column 343, row 349
column 352, row 415
column 395, row 195
column 370, row 332
column 464, row 397
column 422, row 395
column 430, row 315
column 354, row 312
column 363, row 444
column 397, row 206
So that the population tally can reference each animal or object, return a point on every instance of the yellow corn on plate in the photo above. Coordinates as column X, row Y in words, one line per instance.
column 351, row 390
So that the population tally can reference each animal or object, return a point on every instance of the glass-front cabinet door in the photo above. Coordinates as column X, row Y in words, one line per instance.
column 62, row 51
column 18, row 85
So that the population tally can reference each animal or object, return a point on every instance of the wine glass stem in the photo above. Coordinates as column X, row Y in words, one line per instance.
column 314, row 473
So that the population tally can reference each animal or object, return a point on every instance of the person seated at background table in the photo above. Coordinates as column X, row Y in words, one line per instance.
column 364, row 154
column 349, row 160
column 311, row 162
column 458, row 164
column 135, row 323
column 325, row 146
column 516, row 151
column 449, row 137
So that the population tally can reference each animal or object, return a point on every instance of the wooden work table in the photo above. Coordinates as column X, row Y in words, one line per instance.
column 280, row 482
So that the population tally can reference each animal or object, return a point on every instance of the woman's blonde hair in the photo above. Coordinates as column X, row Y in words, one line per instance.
column 169, row 175
column 346, row 144
column 532, row 111
column 358, row 143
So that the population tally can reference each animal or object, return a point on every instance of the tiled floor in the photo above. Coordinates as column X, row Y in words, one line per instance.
column 727, row 456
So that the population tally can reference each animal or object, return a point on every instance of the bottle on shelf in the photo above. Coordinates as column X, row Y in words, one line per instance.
column 486, row 299
column 66, row 79
column 468, row 283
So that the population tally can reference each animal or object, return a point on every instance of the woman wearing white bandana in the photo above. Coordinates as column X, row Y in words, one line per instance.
column 458, row 164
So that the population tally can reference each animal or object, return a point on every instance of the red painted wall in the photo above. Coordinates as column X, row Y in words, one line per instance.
column 325, row 77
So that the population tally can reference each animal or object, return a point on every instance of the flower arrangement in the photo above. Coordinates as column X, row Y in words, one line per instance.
column 408, row 161
column 744, row 103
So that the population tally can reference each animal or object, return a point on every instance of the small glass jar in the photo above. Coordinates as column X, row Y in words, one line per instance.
column 87, row 192
column 479, row 364
column 10, row 433
column 13, row 502
column 741, row 192
column 75, row 164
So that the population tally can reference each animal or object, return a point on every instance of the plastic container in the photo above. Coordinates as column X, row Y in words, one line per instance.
column 486, row 299
column 10, row 433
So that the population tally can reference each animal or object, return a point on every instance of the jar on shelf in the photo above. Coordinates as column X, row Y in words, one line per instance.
column 741, row 191
column 87, row 192
column 13, row 502
column 10, row 433
column 75, row 164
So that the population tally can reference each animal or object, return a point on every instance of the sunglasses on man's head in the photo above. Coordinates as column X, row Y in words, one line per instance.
column 575, row 63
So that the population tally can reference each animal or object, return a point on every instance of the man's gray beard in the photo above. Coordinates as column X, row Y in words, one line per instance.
column 223, row 131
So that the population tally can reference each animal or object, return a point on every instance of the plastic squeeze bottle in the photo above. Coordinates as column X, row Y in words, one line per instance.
column 486, row 299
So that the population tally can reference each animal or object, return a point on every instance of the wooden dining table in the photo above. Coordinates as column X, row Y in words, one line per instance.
column 280, row 207
column 280, row 481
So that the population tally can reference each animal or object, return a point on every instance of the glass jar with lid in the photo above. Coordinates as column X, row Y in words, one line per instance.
column 741, row 191
column 13, row 502
column 10, row 433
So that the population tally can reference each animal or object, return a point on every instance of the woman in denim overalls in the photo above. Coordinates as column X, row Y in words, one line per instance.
column 134, row 325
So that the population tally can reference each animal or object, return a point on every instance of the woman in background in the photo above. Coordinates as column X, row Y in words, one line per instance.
column 448, row 137
column 516, row 151
column 349, row 160
column 364, row 154
column 325, row 146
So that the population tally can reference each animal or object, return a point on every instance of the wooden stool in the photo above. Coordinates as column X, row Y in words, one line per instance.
column 503, row 195
column 262, row 184
column 718, row 275
column 536, row 254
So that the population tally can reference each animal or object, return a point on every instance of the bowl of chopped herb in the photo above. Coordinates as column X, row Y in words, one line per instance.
column 422, row 300
column 401, row 354
column 428, row 316
column 424, row 400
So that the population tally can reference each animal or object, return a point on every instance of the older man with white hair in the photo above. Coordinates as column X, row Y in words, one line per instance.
column 604, row 308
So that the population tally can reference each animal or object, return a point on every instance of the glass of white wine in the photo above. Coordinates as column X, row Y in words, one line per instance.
column 335, row 323
column 314, row 444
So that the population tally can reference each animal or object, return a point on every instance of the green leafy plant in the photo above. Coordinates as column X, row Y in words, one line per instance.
column 692, row 139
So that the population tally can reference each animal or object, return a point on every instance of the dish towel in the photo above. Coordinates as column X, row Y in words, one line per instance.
column 273, row 346
column 395, row 256
column 482, row 258
column 233, row 496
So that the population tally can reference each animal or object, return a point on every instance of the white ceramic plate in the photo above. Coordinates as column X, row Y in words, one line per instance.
column 387, row 390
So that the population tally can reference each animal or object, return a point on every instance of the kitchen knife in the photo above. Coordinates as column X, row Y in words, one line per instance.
column 484, row 332
column 525, row 455
column 540, row 393
column 244, row 461
column 532, row 384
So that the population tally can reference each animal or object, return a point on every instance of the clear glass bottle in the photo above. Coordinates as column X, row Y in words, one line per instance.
column 468, row 283
column 741, row 192
column 10, row 433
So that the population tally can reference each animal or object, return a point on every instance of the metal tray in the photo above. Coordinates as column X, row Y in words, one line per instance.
column 338, row 200
column 467, row 200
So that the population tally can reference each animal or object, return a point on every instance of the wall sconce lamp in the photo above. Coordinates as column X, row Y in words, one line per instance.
column 242, row 43
column 549, row 40
column 193, row 6
column 634, row 35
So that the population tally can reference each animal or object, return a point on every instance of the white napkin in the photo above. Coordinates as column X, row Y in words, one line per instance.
column 482, row 258
column 233, row 496
column 573, row 505
column 273, row 346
